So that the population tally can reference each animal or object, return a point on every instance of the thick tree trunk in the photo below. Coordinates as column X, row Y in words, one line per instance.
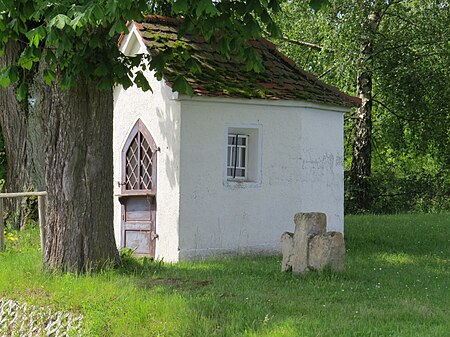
column 15, row 126
column 78, row 175
column 61, row 141
column 362, row 145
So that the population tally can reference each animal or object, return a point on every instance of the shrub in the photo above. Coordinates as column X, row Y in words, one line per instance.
column 395, row 192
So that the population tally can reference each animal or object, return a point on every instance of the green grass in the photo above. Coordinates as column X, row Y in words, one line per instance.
column 396, row 283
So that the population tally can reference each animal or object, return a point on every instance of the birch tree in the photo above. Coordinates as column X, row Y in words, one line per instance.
column 385, row 52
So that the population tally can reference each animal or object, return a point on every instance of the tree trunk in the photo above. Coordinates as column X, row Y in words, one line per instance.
column 78, row 176
column 14, row 124
column 61, row 141
column 362, row 145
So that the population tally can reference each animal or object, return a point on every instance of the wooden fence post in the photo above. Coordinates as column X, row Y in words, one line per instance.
column 2, row 227
column 42, row 219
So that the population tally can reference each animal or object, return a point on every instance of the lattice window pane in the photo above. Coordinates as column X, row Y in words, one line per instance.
column 145, row 166
column 139, row 164
column 132, row 176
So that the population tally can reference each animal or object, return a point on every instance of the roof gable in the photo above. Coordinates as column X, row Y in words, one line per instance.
column 219, row 77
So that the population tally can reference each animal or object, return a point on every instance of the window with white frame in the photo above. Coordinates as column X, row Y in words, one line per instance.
column 237, row 156
column 243, row 155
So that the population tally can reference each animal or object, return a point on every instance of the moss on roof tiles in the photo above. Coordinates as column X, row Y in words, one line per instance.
column 219, row 76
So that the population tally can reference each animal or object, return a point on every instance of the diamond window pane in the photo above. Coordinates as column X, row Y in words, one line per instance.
column 145, row 165
column 132, row 165
column 138, row 166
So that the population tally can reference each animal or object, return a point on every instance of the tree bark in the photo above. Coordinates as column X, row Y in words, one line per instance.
column 61, row 141
column 362, row 145
column 78, row 160
column 15, row 126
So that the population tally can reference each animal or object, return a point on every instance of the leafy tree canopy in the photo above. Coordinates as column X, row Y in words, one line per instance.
column 409, row 63
column 79, row 38
column 409, row 70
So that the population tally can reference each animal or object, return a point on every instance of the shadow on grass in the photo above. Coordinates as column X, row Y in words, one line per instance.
column 395, row 280
column 392, row 285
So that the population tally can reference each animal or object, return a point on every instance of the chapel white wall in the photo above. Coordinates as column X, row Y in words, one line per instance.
column 302, row 171
column 161, row 115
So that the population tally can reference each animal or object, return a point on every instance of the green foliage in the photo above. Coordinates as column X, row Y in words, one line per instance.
column 397, row 191
column 130, row 264
column 21, row 242
column 181, row 85
column 334, row 29
column 318, row 4
column 413, row 73
column 395, row 283
column 409, row 67
column 76, row 39
column 80, row 38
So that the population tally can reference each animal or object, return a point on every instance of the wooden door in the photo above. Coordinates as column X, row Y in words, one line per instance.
column 139, row 225
column 138, row 195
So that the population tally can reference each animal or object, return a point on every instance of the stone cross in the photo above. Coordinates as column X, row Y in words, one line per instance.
column 310, row 246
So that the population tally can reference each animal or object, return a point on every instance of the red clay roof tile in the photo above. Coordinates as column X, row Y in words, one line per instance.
column 281, row 78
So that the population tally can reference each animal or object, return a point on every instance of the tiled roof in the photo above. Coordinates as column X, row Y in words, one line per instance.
column 220, row 77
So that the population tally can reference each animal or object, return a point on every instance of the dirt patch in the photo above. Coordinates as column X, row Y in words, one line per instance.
column 37, row 293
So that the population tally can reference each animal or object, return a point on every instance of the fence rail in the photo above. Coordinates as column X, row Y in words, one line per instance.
column 23, row 194
column 42, row 201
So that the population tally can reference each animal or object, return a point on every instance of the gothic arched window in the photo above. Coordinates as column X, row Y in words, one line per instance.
column 139, row 160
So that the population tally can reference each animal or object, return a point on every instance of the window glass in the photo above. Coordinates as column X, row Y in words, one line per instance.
column 138, row 165
column 237, row 156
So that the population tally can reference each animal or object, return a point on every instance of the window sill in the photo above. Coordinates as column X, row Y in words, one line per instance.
column 241, row 183
column 136, row 193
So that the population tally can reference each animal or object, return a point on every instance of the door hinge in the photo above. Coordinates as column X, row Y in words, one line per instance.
column 153, row 236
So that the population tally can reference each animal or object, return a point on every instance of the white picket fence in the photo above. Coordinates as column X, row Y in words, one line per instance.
column 29, row 321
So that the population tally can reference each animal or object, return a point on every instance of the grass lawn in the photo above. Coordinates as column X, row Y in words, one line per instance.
column 396, row 283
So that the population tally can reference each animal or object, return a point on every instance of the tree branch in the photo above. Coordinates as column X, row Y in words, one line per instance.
column 303, row 43
column 327, row 71
column 404, row 45
column 384, row 11
column 394, row 113
column 406, row 20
